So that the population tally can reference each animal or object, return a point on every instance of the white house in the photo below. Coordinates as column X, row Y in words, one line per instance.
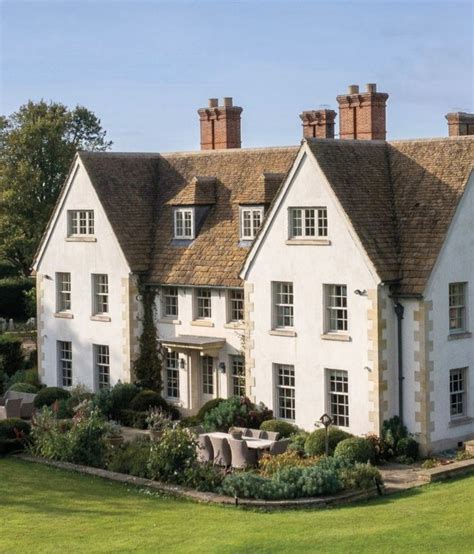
column 331, row 277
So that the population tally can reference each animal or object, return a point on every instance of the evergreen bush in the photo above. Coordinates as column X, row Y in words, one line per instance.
column 355, row 449
column 315, row 444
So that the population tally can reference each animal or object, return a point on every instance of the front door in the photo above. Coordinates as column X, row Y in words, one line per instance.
column 207, row 379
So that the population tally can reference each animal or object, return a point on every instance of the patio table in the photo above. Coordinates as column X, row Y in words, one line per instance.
column 252, row 442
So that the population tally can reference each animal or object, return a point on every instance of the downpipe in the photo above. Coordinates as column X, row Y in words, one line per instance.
column 399, row 311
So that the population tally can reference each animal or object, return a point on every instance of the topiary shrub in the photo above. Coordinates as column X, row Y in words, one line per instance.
column 14, row 433
column 355, row 449
column 279, row 426
column 23, row 387
column 147, row 399
column 315, row 444
column 49, row 395
column 208, row 406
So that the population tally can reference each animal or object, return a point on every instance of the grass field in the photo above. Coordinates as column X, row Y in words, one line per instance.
column 48, row 510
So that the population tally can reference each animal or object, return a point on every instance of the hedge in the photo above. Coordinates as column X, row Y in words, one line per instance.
column 13, row 303
column 11, row 354
column 13, row 435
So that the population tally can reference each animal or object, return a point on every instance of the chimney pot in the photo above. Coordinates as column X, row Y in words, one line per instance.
column 220, row 125
column 362, row 116
column 460, row 124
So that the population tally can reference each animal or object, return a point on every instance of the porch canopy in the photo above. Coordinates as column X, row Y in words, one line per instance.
column 206, row 346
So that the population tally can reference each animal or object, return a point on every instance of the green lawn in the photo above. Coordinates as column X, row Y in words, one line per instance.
column 47, row 510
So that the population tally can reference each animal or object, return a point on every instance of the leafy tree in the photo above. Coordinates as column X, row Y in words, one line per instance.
column 37, row 146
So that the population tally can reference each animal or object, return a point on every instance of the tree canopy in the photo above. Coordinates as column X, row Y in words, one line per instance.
column 37, row 146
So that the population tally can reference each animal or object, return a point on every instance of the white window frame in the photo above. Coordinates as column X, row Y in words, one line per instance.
column 458, row 295
column 207, row 375
column 237, row 375
column 232, row 302
column 338, row 402
column 336, row 317
column 172, row 375
column 283, row 302
column 63, row 292
column 201, row 296
column 64, row 363
column 251, row 219
column 102, row 365
column 184, row 223
column 313, row 223
column 100, row 288
column 80, row 223
column 458, row 393
column 169, row 298
column 285, row 391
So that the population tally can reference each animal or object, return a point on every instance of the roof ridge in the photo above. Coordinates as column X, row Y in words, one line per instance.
column 432, row 139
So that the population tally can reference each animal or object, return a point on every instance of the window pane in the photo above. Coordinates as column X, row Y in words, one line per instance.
column 457, row 392
column 101, row 293
column 238, row 375
column 65, row 363
column 102, row 365
column 250, row 221
column 207, row 371
column 336, row 308
column 170, row 301
column 63, row 287
column 296, row 223
column 203, row 304
column 283, row 304
column 81, row 222
column 339, row 397
column 172, row 375
column 236, row 308
column 285, row 390
column 457, row 307
column 183, row 223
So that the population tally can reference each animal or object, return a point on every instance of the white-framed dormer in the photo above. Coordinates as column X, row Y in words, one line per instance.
column 250, row 221
column 184, row 223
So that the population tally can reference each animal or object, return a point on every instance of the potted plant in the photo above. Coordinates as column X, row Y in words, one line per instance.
column 114, row 434
column 157, row 421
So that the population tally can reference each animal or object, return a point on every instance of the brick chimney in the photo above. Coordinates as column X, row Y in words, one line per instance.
column 220, row 125
column 362, row 115
column 460, row 124
column 318, row 123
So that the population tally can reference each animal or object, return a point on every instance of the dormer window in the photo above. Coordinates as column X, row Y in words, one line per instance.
column 308, row 223
column 184, row 223
column 80, row 223
column 251, row 218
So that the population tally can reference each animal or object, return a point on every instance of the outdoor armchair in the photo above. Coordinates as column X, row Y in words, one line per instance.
column 279, row 447
column 13, row 407
column 270, row 435
column 242, row 455
column 254, row 433
column 205, row 452
column 222, row 455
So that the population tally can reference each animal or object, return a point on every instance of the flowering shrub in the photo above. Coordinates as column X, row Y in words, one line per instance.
column 158, row 420
column 81, row 441
column 271, row 464
column 172, row 455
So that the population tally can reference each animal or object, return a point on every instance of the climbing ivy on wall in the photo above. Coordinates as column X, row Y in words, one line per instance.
column 147, row 367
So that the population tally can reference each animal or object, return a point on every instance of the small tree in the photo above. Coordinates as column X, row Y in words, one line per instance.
column 147, row 367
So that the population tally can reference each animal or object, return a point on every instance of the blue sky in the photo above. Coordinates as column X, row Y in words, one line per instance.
column 145, row 67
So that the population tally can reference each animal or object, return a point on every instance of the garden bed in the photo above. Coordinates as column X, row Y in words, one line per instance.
column 339, row 499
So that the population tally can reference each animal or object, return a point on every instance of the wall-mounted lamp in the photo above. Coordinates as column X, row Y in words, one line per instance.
column 360, row 292
column 182, row 363
column 222, row 367
column 367, row 368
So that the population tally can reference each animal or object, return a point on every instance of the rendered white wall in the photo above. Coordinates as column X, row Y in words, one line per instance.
column 220, row 328
column 82, row 259
column 455, row 264
column 309, row 267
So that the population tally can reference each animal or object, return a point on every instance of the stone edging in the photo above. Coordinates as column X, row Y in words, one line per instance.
column 208, row 497
column 455, row 469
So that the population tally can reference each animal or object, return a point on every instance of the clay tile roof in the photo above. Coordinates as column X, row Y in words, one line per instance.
column 400, row 196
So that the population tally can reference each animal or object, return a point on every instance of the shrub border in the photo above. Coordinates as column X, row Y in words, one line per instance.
column 340, row 499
